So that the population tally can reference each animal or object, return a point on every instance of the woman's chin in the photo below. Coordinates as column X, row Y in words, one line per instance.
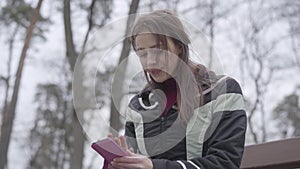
column 161, row 78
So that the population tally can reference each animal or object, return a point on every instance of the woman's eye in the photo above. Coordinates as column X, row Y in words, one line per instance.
column 159, row 51
column 142, row 54
column 154, row 52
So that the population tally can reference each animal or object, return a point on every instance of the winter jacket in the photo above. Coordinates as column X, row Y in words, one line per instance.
column 212, row 138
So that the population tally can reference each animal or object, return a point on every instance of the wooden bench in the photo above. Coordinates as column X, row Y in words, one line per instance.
column 282, row 154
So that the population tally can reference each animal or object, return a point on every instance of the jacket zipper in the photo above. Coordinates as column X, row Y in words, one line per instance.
column 162, row 124
column 163, row 120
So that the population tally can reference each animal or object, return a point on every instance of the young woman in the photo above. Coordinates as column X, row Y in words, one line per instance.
column 187, row 117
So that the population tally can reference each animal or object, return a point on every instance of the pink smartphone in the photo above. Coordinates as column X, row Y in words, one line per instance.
column 109, row 149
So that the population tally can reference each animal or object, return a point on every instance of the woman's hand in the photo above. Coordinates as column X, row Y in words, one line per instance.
column 132, row 161
column 121, row 140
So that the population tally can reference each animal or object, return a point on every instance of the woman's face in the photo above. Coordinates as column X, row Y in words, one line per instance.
column 159, row 63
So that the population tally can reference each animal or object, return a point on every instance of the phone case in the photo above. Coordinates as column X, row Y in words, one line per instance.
column 108, row 149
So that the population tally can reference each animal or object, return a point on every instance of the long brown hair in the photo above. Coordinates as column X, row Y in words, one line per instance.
column 163, row 24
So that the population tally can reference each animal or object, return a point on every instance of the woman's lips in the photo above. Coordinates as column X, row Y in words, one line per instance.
column 154, row 72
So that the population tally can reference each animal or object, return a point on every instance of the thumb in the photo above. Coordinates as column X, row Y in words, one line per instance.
column 131, row 149
column 129, row 152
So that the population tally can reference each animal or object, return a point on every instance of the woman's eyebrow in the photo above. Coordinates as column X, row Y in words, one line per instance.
column 153, row 46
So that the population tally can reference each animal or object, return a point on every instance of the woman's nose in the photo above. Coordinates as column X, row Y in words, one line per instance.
column 152, row 59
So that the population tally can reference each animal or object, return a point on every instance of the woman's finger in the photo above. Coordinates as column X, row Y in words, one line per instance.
column 130, row 153
column 123, row 142
column 110, row 135
column 117, row 140
column 131, row 149
column 129, row 159
column 126, row 165
column 110, row 166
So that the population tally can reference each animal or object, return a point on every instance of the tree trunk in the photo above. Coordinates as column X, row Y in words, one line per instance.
column 115, row 122
column 70, row 49
column 77, row 136
column 211, row 34
column 6, row 128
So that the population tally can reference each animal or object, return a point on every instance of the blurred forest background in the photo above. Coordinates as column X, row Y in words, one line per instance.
column 258, row 42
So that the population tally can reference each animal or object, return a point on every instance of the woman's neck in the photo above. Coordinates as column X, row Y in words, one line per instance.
column 170, row 89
